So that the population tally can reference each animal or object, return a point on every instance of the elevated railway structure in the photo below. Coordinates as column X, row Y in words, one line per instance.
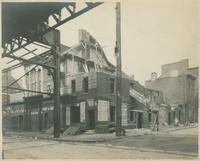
column 26, row 25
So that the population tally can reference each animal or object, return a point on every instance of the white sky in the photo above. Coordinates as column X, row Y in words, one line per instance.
column 154, row 32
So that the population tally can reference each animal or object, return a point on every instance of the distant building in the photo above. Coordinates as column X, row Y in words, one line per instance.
column 179, row 85
column 87, row 93
column 11, row 96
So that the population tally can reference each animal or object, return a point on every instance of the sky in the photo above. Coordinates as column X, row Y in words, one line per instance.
column 154, row 32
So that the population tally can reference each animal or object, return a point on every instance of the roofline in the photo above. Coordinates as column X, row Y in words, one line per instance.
column 176, row 62
column 197, row 67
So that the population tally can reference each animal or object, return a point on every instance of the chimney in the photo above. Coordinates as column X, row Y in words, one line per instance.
column 83, row 35
column 154, row 76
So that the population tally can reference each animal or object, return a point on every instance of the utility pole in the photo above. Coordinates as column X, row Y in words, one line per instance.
column 118, row 70
column 56, row 79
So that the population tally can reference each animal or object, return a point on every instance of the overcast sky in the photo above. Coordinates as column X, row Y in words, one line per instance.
column 154, row 32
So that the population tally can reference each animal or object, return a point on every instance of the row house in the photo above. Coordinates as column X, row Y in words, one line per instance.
column 87, row 89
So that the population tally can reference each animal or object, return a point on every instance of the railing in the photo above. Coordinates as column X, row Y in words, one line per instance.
column 139, row 97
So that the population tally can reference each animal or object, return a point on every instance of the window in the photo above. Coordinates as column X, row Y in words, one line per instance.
column 73, row 86
column 149, row 117
column 132, row 116
column 131, row 85
column 27, row 82
column 39, row 79
column 33, row 80
column 112, row 85
column 179, row 115
column 85, row 85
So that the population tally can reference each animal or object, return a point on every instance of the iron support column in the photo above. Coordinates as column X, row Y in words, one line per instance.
column 57, row 95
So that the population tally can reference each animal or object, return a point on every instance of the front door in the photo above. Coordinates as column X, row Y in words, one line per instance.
column 91, row 119
column 139, row 122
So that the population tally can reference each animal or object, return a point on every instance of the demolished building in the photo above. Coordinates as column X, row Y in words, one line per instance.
column 87, row 89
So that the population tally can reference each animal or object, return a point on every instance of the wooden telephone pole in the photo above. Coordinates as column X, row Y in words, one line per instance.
column 118, row 71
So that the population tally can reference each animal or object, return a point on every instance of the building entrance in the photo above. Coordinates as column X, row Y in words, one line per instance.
column 91, row 119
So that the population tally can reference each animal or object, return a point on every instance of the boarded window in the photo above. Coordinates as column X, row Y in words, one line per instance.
column 82, row 111
column 103, row 110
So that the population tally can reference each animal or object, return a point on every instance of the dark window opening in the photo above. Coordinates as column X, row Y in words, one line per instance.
column 45, row 120
column 112, row 85
column 131, row 85
column 132, row 116
column 112, row 113
column 85, row 85
column 149, row 117
column 73, row 86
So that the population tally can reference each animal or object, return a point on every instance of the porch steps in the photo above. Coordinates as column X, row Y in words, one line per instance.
column 72, row 130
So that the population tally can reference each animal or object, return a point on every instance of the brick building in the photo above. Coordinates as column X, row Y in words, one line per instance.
column 179, row 85
column 87, row 93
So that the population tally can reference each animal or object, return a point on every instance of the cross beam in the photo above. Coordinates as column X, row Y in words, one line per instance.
column 27, row 90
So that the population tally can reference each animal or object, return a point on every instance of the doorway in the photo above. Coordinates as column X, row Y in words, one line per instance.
column 45, row 120
column 20, row 122
column 75, row 114
column 139, row 122
column 91, row 119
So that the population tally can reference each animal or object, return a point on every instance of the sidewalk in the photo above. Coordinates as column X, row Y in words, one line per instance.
column 175, row 128
column 91, row 137
column 85, row 137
